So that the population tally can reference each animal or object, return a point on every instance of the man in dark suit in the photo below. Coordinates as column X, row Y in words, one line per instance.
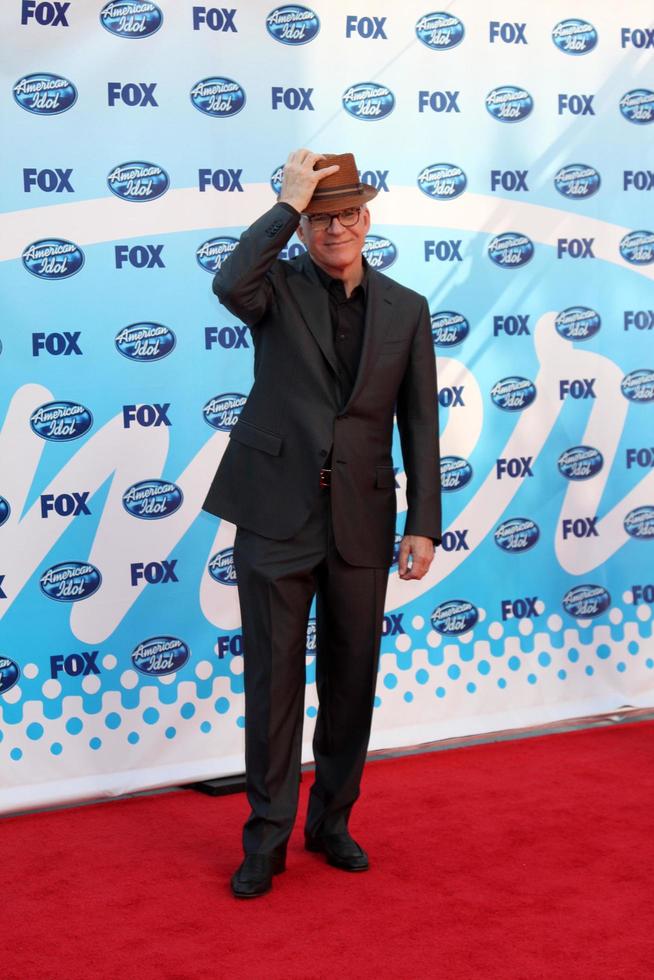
column 308, row 479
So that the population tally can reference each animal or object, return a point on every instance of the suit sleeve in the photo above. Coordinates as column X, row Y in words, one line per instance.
column 243, row 284
column 417, row 420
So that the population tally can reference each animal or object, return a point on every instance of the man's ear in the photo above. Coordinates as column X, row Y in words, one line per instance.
column 299, row 231
column 366, row 217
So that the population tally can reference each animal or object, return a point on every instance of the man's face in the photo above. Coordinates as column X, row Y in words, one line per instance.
column 335, row 247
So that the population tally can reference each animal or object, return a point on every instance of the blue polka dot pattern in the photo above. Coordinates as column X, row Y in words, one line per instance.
column 95, row 743
column 311, row 711
column 170, row 732
column 56, row 748
column 222, row 706
column 74, row 726
column 113, row 720
column 34, row 731
column 390, row 681
column 187, row 710
column 133, row 738
column 150, row 716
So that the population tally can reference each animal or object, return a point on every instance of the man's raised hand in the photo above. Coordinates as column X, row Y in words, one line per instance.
column 300, row 179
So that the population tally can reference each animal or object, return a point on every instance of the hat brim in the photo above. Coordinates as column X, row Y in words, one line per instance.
column 341, row 201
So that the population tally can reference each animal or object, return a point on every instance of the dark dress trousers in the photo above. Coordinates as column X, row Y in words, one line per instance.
column 295, row 540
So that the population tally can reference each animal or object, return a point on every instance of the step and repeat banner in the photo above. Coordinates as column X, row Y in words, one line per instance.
column 512, row 146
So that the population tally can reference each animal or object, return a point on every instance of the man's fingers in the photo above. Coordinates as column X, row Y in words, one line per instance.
column 326, row 171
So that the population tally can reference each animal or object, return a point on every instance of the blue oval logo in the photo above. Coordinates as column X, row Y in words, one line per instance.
column 509, row 103
column 276, row 178
column 577, row 181
column 577, row 323
column 9, row 674
column 368, row 101
column 53, row 258
column 5, row 510
column 516, row 534
column 574, row 36
column 448, row 329
column 311, row 638
column 637, row 106
column 580, row 463
column 510, row 250
column 221, row 567
column 639, row 523
column 131, row 19
column 586, row 601
column 454, row 617
column 442, row 181
column 45, row 94
column 638, row 386
column 222, row 412
column 637, row 247
column 512, row 394
column 70, row 581
column 152, row 499
column 61, row 421
column 456, row 473
column 218, row 97
column 138, row 181
column 211, row 254
column 145, row 341
column 379, row 252
column 160, row 655
column 440, row 31
column 292, row 24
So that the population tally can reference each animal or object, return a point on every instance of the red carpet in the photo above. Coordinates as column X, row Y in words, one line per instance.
column 509, row 861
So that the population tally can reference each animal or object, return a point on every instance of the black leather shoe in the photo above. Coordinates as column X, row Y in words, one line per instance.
column 341, row 850
column 254, row 876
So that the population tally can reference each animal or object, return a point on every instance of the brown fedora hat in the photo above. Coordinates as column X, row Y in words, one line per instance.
column 340, row 190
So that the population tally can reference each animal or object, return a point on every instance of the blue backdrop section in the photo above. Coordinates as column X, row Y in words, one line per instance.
column 512, row 148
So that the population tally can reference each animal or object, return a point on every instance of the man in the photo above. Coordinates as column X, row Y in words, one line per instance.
column 308, row 479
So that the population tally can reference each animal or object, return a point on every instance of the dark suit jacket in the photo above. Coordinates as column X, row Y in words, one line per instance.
column 268, row 477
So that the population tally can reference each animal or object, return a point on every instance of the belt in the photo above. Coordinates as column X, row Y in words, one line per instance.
column 325, row 479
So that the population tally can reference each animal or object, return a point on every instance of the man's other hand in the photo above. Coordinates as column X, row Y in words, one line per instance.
column 300, row 179
column 421, row 552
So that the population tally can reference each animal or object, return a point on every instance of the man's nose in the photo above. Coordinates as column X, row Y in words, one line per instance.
column 335, row 227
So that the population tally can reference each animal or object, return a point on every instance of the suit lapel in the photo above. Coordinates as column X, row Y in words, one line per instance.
column 379, row 310
column 314, row 307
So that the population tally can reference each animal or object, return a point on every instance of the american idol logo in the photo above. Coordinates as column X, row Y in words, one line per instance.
column 580, row 463
column 70, row 581
column 5, row 510
column 211, row 254
column 577, row 181
column 222, row 412
column 442, row 181
column 145, row 341
column 53, row 258
column 292, row 24
column 454, row 617
column 516, row 534
column 586, row 601
column 9, row 674
column 637, row 106
column 152, row 499
column 138, row 181
column 510, row 250
column 218, row 97
column 513, row 394
column 276, row 179
column 574, row 36
column 577, row 323
column 368, row 101
column 45, row 94
column 311, row 638
column 379, row 252
column 456, row 473
column 131, row 20
column 638, row 386
column 440, row 31
column 61, row 421
column 637, row 247
column 448, row 328
column 221, row 567
column 509, row 103
column 639, row 523
column 160, row 655
column 396, row 550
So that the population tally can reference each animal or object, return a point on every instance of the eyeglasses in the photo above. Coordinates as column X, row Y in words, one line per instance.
column 321, row 222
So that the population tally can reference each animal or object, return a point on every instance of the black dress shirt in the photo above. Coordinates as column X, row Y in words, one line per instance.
column 348, row 318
